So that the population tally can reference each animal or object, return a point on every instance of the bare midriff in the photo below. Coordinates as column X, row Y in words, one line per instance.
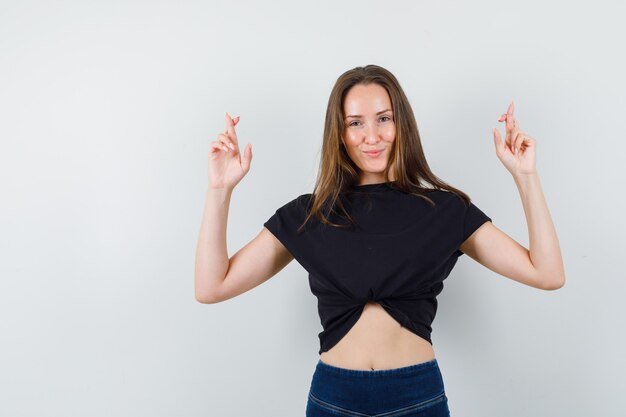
column 377, row 341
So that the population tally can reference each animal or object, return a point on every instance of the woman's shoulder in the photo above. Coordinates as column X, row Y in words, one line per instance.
column 436, row 193
column 444, row 198
column 297, row 204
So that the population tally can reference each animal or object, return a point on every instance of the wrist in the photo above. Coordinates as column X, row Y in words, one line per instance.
column 221, row 193
column 525, row 174
column 522, row 179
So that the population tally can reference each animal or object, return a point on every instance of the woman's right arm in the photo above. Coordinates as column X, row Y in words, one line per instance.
column 211, row 253
column 218, row 277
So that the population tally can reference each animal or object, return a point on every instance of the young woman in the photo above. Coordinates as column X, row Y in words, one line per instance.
column 377, row 243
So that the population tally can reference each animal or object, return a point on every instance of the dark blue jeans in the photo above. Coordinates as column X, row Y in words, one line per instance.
column 415, row 390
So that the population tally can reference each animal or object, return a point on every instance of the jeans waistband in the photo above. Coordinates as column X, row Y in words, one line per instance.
column 377, row 391
column 405, row 370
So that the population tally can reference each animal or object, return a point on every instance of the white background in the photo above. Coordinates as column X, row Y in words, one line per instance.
column 106, row 114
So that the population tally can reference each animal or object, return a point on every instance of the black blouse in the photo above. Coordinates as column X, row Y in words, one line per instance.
column 398, row 254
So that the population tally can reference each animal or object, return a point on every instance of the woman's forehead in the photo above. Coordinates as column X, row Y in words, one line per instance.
column 366, row 100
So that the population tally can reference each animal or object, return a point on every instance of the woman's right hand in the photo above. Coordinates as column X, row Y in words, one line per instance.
column 226, row 166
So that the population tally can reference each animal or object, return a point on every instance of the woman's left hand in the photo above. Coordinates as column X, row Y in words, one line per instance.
column 517, row 153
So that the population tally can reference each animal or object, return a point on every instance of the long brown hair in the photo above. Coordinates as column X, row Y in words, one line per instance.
column 337, row 172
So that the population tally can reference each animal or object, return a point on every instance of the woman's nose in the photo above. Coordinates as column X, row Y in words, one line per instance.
column 372, row 133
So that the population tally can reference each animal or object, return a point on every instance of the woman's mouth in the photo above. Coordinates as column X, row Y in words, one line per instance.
column 374, row 154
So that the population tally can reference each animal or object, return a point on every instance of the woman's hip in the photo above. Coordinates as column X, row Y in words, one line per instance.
column 410, row 390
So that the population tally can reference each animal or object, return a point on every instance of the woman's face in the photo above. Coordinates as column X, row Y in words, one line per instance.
column 369, row 126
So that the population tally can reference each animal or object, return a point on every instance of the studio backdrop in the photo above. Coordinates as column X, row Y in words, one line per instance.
column 107, row 110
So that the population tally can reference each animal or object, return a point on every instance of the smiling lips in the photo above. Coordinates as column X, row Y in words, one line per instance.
column 373, row 153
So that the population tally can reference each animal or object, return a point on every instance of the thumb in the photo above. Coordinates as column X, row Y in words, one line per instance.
column 497, row 141
column 247, row 157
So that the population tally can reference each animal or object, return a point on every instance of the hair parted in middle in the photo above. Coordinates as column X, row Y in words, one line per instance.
column 337, row 172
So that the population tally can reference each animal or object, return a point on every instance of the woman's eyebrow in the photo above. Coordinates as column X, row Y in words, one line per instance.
column 358, row 115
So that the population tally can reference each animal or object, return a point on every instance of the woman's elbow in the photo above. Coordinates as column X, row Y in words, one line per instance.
column 206, row 297
column 555, row 284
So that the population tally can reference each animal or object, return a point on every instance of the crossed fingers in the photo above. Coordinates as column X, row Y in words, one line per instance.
column 514, row 136
column 229, row 136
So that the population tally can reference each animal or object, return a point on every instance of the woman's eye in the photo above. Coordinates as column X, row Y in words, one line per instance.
column 383, row 117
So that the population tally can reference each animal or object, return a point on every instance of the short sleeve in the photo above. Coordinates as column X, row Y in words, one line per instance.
column 473, row 219
column 286, row 221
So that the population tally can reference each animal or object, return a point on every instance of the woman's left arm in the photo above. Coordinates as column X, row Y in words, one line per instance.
column 541, row 265
column 544, row 250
